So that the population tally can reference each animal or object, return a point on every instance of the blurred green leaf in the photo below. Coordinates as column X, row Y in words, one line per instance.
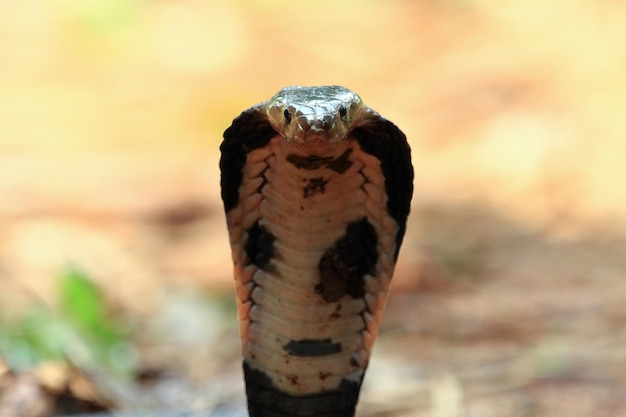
column 83, row 305
column 81, row 300
column 81, row 330
column 34, row 337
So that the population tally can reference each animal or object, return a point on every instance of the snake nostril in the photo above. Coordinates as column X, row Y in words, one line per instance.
column 328, row 121
column 316, row 125
column 323, row 123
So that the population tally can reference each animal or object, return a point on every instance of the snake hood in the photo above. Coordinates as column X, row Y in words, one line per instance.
column 306, row 114
column 316, row 188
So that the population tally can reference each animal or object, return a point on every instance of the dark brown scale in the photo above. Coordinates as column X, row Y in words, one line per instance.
column 394, row 154
column 341, row 163
column 249, row 131
column 312, row 347
column 264, row 400
column 343, row 267
column 315, row 185
column 260, row 246
column 309, row 163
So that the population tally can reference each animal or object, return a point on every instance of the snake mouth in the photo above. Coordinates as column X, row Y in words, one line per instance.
column 323, row 123
column 320, row 129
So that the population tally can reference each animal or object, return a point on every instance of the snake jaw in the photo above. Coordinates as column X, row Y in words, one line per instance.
column 313, row 115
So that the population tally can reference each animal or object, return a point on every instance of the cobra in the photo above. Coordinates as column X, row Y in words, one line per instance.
column 316, row 188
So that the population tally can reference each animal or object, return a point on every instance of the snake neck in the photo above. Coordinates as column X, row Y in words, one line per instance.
column 309, row 243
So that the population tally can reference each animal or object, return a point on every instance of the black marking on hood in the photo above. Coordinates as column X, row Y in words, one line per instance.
column 341, row 163
column 309, row 163
column 315, row 185
column 379, row 137
column 250, row 130
column 260, row 245
column 265, row 400
column 312, row 347
column 343, row 266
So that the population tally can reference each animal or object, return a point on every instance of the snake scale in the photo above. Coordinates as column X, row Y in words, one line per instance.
column 316, row 188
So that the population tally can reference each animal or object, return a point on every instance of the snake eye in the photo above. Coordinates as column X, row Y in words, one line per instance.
column 343, row 113
column 287, row 115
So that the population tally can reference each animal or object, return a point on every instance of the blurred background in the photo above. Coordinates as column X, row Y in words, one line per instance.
column 115, row 271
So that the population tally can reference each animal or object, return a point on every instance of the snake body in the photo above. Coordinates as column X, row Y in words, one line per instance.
column 316, row 188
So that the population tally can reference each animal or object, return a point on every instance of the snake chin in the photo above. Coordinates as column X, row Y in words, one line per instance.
column 314, row 143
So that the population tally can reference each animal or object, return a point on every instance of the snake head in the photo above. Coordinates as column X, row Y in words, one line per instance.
column 309, row 114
